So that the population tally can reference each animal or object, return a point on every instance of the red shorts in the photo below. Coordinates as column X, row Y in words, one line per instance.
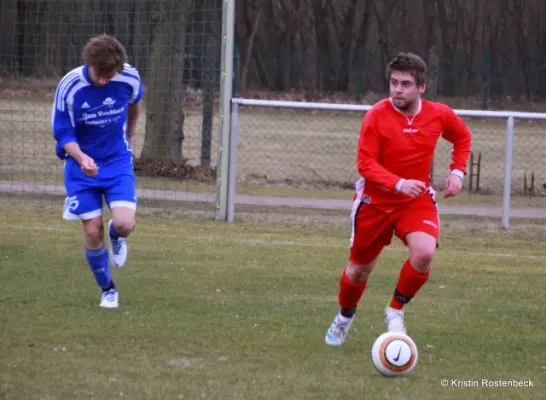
column 373, row 229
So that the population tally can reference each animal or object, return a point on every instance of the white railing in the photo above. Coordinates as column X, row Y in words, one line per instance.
column 228, row 181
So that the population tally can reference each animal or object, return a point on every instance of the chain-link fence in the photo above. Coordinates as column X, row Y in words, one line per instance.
column 175, row 45
column 487, row 162
column 178, row 47
column 309, row 152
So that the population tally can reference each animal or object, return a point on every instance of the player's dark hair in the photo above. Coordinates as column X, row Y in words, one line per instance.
column 105, row 54
column 411, row 63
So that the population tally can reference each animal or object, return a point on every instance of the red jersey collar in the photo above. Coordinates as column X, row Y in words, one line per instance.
column 410, row 120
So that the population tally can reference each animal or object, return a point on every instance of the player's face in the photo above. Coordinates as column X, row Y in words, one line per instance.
column 101, row 79
column 404, row 91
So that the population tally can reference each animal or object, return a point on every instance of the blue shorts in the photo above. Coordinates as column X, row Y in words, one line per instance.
column 84, row 194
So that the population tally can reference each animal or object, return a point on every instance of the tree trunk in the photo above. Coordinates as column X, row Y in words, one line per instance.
column 9, row 62
column 164, row 116
column 243, row 82
column 542, row 67
column 209, row 83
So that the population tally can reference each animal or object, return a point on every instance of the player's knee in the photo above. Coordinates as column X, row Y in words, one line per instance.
column 94, row 234
column 124, row 228
column 359, row 272
column 421, row 257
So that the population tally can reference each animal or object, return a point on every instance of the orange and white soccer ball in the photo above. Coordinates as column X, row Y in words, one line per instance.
column 394, row 354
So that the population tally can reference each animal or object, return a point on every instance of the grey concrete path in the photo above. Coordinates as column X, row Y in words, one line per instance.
column 275, row 201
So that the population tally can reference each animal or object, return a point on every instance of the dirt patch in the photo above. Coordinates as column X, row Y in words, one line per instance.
column 171, row 169
column 185, row 361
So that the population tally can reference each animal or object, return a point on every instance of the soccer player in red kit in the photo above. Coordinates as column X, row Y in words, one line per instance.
column 394, row 196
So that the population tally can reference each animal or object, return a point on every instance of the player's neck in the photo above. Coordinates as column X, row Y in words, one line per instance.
column 92, row 75
column 99, row 80
column 410, row 111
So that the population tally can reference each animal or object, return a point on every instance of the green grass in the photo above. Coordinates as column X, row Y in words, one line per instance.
column 239, row 311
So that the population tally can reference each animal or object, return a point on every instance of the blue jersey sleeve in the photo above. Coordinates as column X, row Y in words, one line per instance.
column 62, row 122
column 131, row 72
column 137, row 95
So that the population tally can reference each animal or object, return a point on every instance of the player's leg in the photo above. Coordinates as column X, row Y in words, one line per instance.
column 372, row 230
column 121, row 198
column 86, row 206
column 96, row 255
column 354, row 279
column 352, row 285
column 418, row 227
column 119, row 228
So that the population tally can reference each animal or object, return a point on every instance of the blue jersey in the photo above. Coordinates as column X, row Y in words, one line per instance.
column 95, row 117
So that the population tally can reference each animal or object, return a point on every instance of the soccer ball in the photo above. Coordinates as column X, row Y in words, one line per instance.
column 394, row 354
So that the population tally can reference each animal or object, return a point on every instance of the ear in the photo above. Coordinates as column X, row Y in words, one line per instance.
column 423, row 88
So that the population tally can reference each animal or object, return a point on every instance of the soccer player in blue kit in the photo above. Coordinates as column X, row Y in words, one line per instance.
column 94, row 119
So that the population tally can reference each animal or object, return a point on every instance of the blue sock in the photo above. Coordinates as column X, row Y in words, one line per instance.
column 112, row 232
column 98, row 261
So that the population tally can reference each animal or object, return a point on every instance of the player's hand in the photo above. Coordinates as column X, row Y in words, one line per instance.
column 453, row 185
column 412, row 187
column 89, row 167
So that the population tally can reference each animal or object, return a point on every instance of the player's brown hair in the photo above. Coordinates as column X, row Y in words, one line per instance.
column 105, row 54
column 411, row 63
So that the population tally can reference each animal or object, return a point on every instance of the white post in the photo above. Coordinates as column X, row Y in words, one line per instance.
column 226, row 90
column 232, row 174
column 507, row 172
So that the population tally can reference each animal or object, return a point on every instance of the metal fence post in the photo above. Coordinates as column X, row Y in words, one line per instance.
column 508, row 172
column 226, row 90
column 508, row 116
column 232, row 169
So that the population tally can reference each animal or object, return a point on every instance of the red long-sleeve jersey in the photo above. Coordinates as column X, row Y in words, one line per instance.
column 393, row 146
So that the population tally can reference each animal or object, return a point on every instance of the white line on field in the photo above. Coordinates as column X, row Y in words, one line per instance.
column 290, row 243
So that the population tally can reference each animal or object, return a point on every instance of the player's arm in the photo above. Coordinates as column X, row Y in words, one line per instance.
column 64, row 133
column 368, row 155
column 457, row 133
column 132, row 119
column 74, row 151
column 135, row 109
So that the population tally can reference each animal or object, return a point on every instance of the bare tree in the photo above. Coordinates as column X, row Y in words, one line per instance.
column 165, row 117
column 311, row 45
column 255, row 10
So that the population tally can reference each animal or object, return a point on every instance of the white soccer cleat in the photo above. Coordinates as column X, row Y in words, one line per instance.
column 338, row 331
column 109, row 299
column 395, row 320
column 118, row 249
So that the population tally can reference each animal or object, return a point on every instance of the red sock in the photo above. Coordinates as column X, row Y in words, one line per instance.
column 409, row 283
column 350, row 292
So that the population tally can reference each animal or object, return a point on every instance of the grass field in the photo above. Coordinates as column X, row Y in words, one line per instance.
column 305, row 148
column 239, row 311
